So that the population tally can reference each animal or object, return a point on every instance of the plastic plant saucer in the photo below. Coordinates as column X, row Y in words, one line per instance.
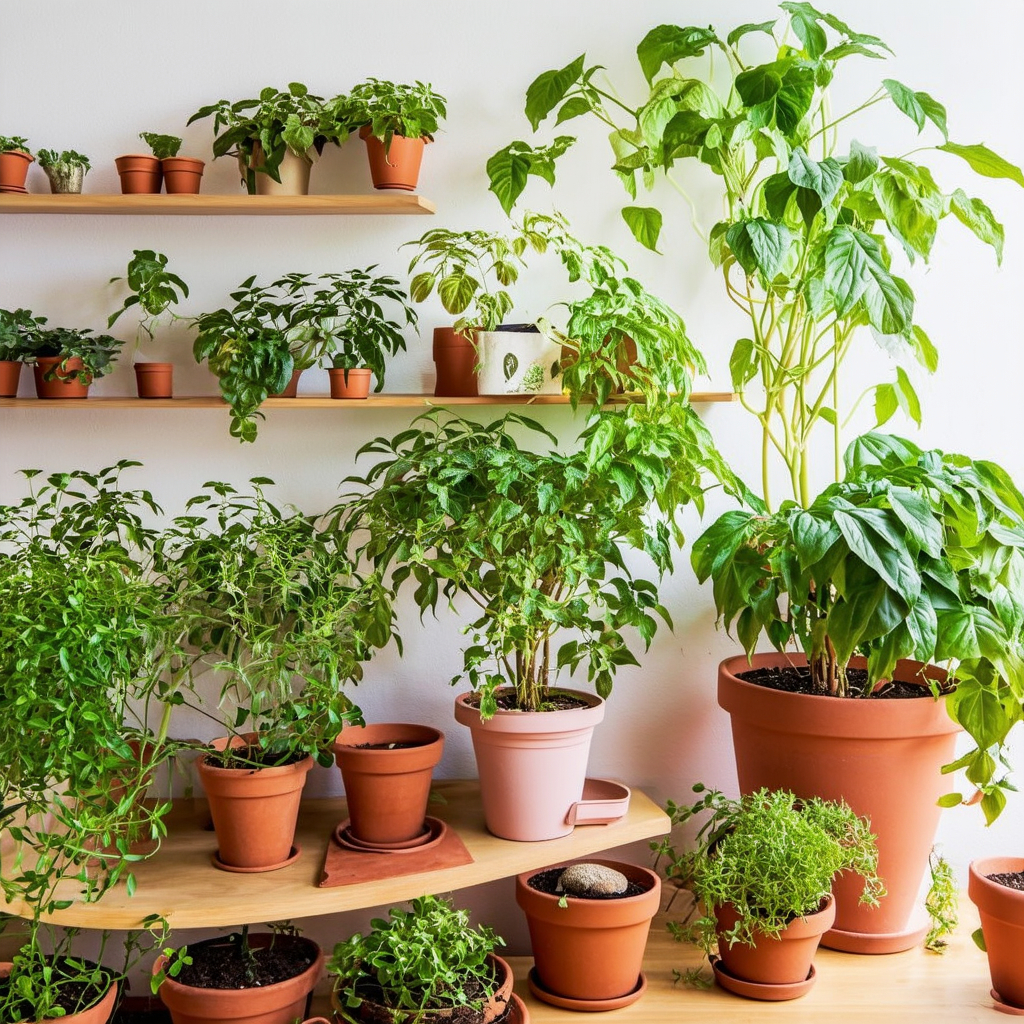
column 434, row 832
column 292, row 857
column 1004, row 1007
column 585, row 1005
column 763, row 991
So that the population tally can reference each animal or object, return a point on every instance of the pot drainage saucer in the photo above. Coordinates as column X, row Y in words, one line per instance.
column 292, row 857
column 1004, row 1007
column 761, row 990
column 585, row 1005
column 14, row 190
column 434, row 831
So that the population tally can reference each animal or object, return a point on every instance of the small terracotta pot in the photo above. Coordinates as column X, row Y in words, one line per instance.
column 254, row 810
column 883, row 757
column 14, row 165
column 65, row 385
column 293, row 172
column 387, row 790
column 182, row 174
column 399, row 168
column 785, row 960
column 280, row 1003
column 491, row 1010
column 291, row 389
column 154, row 380
column 532, row 765
column 1002, row 923
column 10, row 375
column 357, row 384
column 140, row 174
column 455, row 361
column 590, row 950
column 99, row 1013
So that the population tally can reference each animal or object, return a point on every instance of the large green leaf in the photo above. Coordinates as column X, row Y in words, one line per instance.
column 977, row 217
column 758, row 85
column 742, row 30
column 873, row 545
column 549, row 89
column 794, row 98
column 813, row 534
column 760, row 245
column 861, row 164
column 855, row 271
column 805, row 23
column 905, row 100
column 667, row 44
column 979, row 711
column 508, row 172
column 911, row 218
column 645, row 223
column 984, row 162
column 824, row 178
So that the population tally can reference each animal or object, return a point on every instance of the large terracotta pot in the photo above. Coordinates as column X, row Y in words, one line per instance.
column 254, row 811
column 293, row 172
column 140, row 174
column 10, row 375
column 532, row 765
column 183, row 175
column 883, row 757
column 785, row 960
column 350, row 383
column 65, row 385
column 281, row 1003
column 455, row 361
column 99, row 1013
column 14, row 165
column 1002, row 923
column 590, row 950
column 387, row 789
column 399, row 168
column 492, row 1009
column 154, row 380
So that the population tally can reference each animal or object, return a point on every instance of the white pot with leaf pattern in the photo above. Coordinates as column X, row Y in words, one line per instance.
column 517, row 359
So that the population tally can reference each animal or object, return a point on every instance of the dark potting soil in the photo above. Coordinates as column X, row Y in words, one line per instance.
column 547, row 881
column 250, row 757
column 372, row 1011
column 797, row 679
column 405, row 745
column 557, row 700
column 1011, row 879
column 221, row 963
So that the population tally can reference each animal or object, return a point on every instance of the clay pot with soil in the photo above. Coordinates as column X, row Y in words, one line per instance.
column 387, row 770
column 996, row 887
column 588, row 924
column 349, row 384
column 98, row 1012
column 242, row 979
column 57, row 377
column 397, row 167
column 15, row 160
column 455, row 363
column 141, row 174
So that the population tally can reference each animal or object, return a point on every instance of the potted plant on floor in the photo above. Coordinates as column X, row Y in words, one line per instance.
column 66, row 360
column 267, row 600
column 66, row 170
column 18, row 328
column 536, row 540
column 761, row 871
column 996, row 887
column 275, row 138
column 153, row 289
column 396, row 121
column 15, row 160
column 423, row 963
column 588, row 931
column 181, row 174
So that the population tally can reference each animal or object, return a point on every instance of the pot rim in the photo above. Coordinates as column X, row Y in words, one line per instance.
column 506, row 720
column 990, row 897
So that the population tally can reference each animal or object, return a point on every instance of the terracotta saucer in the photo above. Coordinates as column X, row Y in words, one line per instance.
column 881, row 943
column 516, row 1013
column 585, row 1005
column 1004, row 1007
column 290, row 859
column 434, row 831
column 14, row 190
column 759, row 989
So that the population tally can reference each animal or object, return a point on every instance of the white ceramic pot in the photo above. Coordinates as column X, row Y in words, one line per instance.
column 518, row 362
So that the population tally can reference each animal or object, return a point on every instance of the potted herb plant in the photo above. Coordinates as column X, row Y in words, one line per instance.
column 426, row 963
column 274, row 138
column 761, row 872
column 15, row 159
column 535, row 540
column 18, row 328
column 66, row 360
column 65, row 170
column 588, row 931
column 182, row 174
column 996, row 887
column 154, row 289
column 396, row 121
column 267, row 600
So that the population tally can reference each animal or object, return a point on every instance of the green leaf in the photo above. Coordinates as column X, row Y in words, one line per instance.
column 794, row 98
column 950, row 800
column 855, row 271
column 978, row 938
column 738, row 33
column 549, row 89
column 805, row 24
column 862, row 162
column 645, row 223
column 508, row 173
column 905, row 100
column 742, row 365
column 886, row 403
column 984, row 162
column 456, row 291
column 575, row 106
column 760, row 245
column 823, row 178
column 934, row 111
column 978, row 218
column 907, row 396
column 668, row 44
column 758, row 85
column 992, row 805
column 924, row 351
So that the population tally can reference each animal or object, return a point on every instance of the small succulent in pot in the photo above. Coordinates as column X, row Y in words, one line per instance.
column 65, row 170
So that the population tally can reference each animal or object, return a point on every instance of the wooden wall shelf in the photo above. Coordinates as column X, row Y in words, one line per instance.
column 179, row 882
column 218, row 205
column 383, row 401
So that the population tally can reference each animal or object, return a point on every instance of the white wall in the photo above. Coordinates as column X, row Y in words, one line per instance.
column 91, row 76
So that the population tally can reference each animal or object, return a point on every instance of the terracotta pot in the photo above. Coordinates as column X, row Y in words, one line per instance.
column 182, row 174
column 14, row 165
column 1002, row 923
column 281, row 1003
column 398, row 168
column 492, row 1009
column 154, row 380
column 590, row 949
column 65, row 385
column 140, row 174
column 291, row 389
column 10, row 375
column 883, row 757
column 350, row 383
column 455, row 361
column 99, row 1013
column 254, row 811
column 293, row 172
column 387, row 790
column 532, row 765
column 785, row 960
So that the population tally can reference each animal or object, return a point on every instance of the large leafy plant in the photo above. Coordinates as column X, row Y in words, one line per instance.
column 97, row 351
column 805, row 247
column 389, row 109
column 18, row 331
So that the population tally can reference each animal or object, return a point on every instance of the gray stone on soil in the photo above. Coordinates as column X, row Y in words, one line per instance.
column 592, row 880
